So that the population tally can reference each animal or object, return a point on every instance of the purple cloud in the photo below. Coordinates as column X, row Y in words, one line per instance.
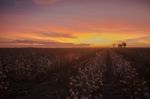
column 56, row 34
column 44, row 2
column 32, row 43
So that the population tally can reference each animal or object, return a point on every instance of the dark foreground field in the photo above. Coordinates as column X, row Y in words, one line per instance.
column 75, row 73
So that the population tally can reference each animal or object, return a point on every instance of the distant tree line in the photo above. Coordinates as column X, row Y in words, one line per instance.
column 120, row 45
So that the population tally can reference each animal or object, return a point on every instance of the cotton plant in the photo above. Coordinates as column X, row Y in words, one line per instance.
column 89, row 79
column 129, row 77
column 4, row 82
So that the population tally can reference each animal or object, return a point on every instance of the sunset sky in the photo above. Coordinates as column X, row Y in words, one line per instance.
column 74, row 23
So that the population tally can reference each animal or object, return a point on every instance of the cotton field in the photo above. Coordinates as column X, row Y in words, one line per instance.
column 74, row 74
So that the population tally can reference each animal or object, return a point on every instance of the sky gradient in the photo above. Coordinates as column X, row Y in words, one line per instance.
column 74, row 23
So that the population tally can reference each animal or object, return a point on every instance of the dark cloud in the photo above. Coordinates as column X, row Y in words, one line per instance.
column 45, row 2
column 7, row 2
column 4, row 4
column 32, row 43
column 55, row 34
column 6, row 41
column 144, row 39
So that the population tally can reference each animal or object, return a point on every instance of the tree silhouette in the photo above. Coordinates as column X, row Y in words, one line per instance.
column 114, row 45
column 119, row 45
column 124, row 44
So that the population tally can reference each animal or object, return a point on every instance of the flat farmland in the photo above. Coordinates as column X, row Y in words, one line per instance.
column 75, row 73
